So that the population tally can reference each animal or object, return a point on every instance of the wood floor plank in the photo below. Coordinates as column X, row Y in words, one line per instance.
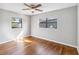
column 36, row 46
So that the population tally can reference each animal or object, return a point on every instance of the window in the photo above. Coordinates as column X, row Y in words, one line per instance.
column 16, row 22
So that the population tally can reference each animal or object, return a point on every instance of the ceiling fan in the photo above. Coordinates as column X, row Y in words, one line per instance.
column 33, row 7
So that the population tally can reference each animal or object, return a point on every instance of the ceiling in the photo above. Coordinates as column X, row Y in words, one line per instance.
column 17, row 7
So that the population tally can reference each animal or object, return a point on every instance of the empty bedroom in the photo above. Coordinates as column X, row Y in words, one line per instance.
column 39, row 29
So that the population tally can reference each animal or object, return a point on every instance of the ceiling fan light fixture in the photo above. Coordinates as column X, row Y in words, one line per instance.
column 32, row 10
column 33, row 7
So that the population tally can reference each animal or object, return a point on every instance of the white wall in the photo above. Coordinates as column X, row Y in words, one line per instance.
column 65, row 33
column 78, row 28
column 6, row 32
column 67, row 26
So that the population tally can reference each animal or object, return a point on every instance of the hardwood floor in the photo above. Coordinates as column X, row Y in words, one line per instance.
column 35, row 46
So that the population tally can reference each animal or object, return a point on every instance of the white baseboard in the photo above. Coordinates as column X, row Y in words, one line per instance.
column 78, row 49
column 55, row 41
column 7, row 41
column 44, row 39
column 15, row 39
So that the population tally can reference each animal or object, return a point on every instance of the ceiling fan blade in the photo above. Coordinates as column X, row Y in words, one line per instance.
column 27, row 5
column 39, row 10
column 38, row 5
column 26, row 9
